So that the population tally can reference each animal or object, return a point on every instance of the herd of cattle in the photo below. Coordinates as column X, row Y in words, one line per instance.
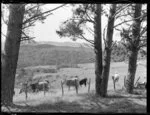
column 73, row 81
column 45, row 84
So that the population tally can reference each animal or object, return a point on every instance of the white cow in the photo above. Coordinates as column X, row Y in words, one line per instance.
column 115, row 77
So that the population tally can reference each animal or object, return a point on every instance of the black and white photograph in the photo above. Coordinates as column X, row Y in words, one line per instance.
column 74, row 57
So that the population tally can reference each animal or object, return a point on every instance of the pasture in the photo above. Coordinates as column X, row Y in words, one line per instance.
column 117, row 101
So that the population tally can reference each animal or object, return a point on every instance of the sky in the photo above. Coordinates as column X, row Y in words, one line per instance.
column 47, row 30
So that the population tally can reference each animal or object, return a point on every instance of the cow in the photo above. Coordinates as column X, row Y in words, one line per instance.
column 24, row 87
column 115, row 79
column 43, row 85
column 142, row 85
column 83, row 82
column 35, row 87
column 72, row 82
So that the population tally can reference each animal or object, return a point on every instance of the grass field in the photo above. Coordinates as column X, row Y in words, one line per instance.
column 117, row 101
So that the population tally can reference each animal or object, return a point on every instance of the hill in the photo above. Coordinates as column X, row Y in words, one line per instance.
column 67, row 54
column 47, row 54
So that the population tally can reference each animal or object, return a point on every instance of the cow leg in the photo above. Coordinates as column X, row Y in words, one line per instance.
column 44, row 89
column 20, row 91
column 76, row 87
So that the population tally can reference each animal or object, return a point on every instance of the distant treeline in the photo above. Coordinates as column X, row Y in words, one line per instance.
column 45, row 54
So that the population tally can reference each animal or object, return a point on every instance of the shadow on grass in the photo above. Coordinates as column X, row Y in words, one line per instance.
column 57, row 107
column 117, row 103
column 89, row 103
column 120, row 96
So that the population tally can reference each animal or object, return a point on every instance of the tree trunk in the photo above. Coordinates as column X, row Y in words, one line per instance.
column 11, row 51
column 134, row 50
column 107, row 54
column 131, row 71
column 98, row 48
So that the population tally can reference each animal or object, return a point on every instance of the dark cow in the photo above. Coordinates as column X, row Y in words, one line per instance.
column 83, row 82
column 35, row 87
column 43, row 85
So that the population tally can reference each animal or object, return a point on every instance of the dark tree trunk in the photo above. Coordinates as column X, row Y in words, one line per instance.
column 11, row 51
column 134, row 49
column 107, row 53
column 131, row 71
column 98, row 48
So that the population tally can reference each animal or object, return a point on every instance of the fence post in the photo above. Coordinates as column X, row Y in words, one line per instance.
column 26, row 91
column 62, row 88
column 76, row 86
column 114, row 84
column 44, row 89
column 89, row 85
column 136, row 82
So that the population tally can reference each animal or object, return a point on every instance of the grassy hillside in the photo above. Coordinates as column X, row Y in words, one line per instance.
column 45, row 54
column 48, row 54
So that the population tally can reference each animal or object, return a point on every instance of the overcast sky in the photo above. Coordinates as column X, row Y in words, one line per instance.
column 47, row 30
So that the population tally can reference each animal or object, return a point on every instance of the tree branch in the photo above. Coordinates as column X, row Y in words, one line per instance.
column 118, row 29
column 90, row 20
column 127, row 21
column 35, row 16
column 90, row 30
column 122, row 23
column 38, row 5
column 142, row 45
column 26, row 37
column 3, row 34
column 90, row 46
column 143, row 31
column 29, row 24
column 104, row 36
column 113, row 44
column 5, row 22
column 122, row 8
column 90, row 41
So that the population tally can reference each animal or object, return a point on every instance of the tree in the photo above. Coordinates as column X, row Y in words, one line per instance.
column 107, row 53
column 12, row 45
column 98, row 49
column 134, row 40
column 74, row 28
column 84, row 14
column 20, row 18
column 33, row 13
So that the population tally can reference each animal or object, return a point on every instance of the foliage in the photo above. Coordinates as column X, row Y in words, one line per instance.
column 127, row 34
column 33, row 14
column 70, row 29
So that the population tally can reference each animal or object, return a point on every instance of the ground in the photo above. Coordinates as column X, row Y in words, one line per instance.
column 116, row 102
